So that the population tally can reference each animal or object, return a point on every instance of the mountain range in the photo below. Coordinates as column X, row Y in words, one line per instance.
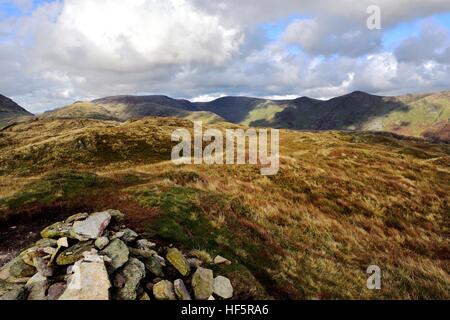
column 419, row 115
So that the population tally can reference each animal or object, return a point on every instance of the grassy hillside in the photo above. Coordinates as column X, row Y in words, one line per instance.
column 123, row 108
column 341, row 202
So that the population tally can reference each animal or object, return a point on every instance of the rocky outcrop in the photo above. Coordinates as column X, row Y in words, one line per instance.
column 94, row 257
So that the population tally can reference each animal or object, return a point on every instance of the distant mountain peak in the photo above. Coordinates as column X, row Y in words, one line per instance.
column 7, row 105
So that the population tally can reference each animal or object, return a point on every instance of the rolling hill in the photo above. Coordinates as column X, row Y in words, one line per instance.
column 10, row 111
column 122, row 108
column 341, row 201
column 422, row 115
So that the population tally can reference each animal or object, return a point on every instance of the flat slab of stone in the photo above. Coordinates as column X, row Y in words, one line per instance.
column 74, row 253
column 93, row 226
column 90, row 281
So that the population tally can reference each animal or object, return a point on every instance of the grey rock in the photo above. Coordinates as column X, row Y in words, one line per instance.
column 223, row 287
column 153, row 264
column 118, row 252
column 203, row 283
column 93, row 226
column 133, row 272
column 221, row 260
column 144, row 244
column 180, row 290
column 11, row 291
column 142, row 253
column 90, row 281
column 37, row 287
column 129, row 235
column 18, row 268
column 116, row 215
column 42, row 266
column 101, row 243
column 194, row 263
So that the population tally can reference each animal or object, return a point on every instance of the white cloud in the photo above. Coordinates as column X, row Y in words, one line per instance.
column 207, row 97
column 78, row 49
column 107, row 35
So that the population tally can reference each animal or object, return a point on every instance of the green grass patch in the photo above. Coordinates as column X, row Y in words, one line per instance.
column 216, row 223
column 54, row 186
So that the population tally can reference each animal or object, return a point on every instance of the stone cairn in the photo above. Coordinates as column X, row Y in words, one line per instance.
column 94, row 257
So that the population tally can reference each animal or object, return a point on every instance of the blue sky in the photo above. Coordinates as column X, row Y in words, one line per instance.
column 195, row 49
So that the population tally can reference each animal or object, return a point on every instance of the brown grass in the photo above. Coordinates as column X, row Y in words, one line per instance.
column 341, row 202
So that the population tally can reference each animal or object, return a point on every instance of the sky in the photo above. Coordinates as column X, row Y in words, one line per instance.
column 53, row 53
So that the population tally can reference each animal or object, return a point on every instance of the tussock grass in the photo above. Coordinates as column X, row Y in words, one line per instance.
column 341, row 202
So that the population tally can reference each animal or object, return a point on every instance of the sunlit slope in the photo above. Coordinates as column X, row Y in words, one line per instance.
column 340, row 202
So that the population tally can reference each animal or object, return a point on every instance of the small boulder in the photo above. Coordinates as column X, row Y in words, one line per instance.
column 221, row 260
column 129, row 235
column 42, row 266
column 74, row 253
column 180, row 290
column 118, row 252
column 37, row 287
column 154, row 265
column 163, row 290
column 223, row 287
column 176, row 259
column 101, row 243
column 142, row 253
column 10, row 291
column 57, row 230
column 18, row 268
column 203, row 283
column 133, row 272
column 144, row 244
column 116, row 215
column 194, row 262
column 93, row 226
column 56, row 290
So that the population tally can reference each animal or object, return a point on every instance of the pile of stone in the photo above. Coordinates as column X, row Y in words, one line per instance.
column 94, row 257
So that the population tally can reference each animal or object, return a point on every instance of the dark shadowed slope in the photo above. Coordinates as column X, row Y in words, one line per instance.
column 9, row 111
column 122, row 108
